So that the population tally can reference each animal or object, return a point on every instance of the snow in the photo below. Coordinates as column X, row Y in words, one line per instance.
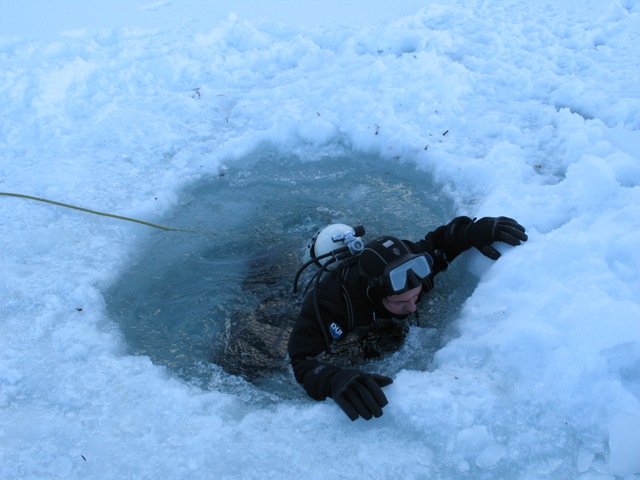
column 525, row 109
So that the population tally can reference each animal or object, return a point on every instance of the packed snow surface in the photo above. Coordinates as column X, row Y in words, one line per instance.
column 529, row 109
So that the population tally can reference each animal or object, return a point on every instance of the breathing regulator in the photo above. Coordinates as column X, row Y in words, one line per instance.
column 329, row 247
column 330, row 242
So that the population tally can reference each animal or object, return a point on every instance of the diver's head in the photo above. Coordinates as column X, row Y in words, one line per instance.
column 390, row 269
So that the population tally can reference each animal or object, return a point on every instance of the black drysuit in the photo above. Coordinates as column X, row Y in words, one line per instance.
column 344, row 307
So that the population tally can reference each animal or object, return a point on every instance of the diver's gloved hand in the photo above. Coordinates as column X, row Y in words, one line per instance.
column 482, row 233
column 359, row 394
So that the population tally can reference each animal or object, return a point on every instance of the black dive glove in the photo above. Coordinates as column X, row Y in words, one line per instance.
column 482, row 233
column 359, row 394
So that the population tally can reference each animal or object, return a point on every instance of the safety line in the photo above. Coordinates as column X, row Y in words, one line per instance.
column 119, row 217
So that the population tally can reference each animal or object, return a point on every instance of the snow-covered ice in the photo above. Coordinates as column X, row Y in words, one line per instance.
column 525, row 109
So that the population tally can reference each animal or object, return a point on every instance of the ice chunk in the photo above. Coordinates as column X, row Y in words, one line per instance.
column 624, row 444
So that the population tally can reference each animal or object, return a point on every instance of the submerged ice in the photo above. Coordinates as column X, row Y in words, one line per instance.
column 189, row 298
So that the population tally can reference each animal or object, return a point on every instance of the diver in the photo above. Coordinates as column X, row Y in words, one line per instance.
column 361, row 286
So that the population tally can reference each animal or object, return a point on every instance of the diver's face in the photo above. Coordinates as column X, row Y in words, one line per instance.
column 403, row 303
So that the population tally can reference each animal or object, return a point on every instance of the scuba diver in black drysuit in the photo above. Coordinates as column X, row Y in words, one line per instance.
column 384, row 281
column 355, row 308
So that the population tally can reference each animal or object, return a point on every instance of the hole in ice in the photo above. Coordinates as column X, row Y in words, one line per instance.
column 186, row 296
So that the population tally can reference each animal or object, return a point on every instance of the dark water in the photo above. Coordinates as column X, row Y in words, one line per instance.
column 174, row 303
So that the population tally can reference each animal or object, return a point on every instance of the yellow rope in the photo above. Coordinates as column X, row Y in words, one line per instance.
column 29, row 197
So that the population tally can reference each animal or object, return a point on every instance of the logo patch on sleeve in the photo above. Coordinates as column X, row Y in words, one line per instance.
column 336, row 331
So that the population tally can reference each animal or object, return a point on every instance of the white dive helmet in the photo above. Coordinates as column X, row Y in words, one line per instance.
column 334, row 237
